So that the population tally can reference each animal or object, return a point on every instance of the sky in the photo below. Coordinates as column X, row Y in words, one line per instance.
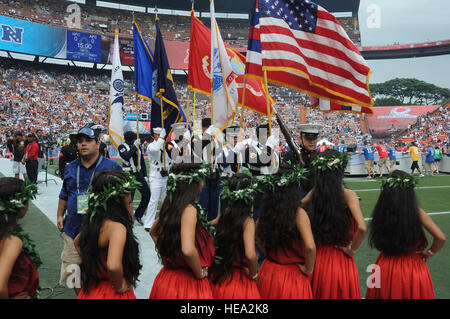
column 384, row 22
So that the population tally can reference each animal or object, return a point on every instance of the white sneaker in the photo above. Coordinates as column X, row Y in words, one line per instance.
column 421, row 175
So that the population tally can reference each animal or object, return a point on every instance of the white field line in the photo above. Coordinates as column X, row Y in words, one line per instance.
column 436, row 213
column 420, row 187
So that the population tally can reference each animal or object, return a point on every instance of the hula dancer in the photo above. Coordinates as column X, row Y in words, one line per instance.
column 284, row 232
column 235, row 267
column 182, row 239
column 397, row 231
column 338, row 227
column 19, row 278
column 107, row 246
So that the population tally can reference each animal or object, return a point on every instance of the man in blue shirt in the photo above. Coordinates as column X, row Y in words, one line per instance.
column 392, row 156
column 429, row 161
column 367, row 150
column 78, row 176
column 341, row 147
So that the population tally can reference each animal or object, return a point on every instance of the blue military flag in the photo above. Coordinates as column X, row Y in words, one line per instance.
column 143, row 65
column 163, row 89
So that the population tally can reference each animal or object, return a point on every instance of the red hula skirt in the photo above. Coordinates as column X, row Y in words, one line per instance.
column 240, row 287
column 286, row 281
column 335, row 275
column 180, row 283
column 105, row 290
column 402, row 277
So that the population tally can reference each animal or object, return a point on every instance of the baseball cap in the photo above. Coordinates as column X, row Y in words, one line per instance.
column 88, row 132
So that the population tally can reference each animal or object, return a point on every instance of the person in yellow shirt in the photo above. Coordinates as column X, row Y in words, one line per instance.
column 415, row 156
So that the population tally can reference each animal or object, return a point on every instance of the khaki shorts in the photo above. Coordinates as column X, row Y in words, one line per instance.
column 383, row 161
column 368, row 164
column 69, row 258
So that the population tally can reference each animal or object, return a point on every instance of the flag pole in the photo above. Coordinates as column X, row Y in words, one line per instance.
column 188, row 111
column 241, row 122
column 161, row 104
column 269, row 116
column 193, row 114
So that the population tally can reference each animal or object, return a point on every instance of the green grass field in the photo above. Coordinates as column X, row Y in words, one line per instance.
column 434, row 197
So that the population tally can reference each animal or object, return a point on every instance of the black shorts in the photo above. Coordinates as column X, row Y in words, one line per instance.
column 437, row 159
column 415, row 164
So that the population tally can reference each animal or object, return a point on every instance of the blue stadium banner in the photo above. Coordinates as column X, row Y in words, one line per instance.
column 32, row 38
column 84, row 46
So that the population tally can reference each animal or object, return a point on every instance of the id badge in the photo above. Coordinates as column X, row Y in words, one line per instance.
column 82, row 204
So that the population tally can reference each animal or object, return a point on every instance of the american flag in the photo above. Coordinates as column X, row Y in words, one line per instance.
column 305, row 48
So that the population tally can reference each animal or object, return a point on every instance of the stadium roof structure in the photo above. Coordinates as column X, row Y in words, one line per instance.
column 229, row 6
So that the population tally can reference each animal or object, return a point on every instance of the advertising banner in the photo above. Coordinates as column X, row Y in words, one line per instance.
column 32, row 38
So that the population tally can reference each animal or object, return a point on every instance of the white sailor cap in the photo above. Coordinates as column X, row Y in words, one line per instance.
column 157, row 130
column 179, row 127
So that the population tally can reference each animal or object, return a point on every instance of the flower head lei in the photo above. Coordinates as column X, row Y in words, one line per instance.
column 122, row 188
column 18, row 201
column 246, row 194
column 323, row 163
column 194, row 176
column 406, row 181
column 284, row 180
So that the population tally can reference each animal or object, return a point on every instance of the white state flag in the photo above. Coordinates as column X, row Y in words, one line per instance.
column 225, row 92
column 115, row 125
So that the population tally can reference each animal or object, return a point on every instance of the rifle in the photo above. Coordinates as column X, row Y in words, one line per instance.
column 288, row 136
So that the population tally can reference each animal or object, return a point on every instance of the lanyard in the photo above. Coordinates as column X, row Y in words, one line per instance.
column 92, row 177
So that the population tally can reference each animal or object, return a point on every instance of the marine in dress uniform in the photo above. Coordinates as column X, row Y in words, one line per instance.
column 260, row 157
column 211, row 137
column 128, row 151
column 308, row 143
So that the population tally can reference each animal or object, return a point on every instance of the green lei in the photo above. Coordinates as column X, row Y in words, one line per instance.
column 295, row 176
column 323, row 163
column 202, row 218
column 190, row 177
column 407, row 181
column 28, row 246
column 122, row 188
column 14, row 205
column 246, row 194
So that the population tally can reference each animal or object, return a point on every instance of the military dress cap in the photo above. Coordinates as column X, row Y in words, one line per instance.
column 232, row 131
column 311, row 130
column 157, row 130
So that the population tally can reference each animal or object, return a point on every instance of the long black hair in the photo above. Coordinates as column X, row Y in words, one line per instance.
column 276, row 222
column 330, row 221
column 396, row 227
column 116, row 212
column 167, row 230
column 9, row 186
column 228, row 241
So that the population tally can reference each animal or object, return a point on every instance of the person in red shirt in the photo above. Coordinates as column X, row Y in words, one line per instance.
column 30, row 159
column 323, row 147
column 384, row 158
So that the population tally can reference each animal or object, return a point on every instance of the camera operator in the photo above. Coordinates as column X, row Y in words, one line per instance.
column 17, row 147
column 30, row 159
column 43, row 146
column 68, row 153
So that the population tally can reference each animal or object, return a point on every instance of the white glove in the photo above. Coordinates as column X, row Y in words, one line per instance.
column 163, row 133
column 137, row 142
column 211, row 130
column 239, row 147
column 271, row 142
column 187, row 135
